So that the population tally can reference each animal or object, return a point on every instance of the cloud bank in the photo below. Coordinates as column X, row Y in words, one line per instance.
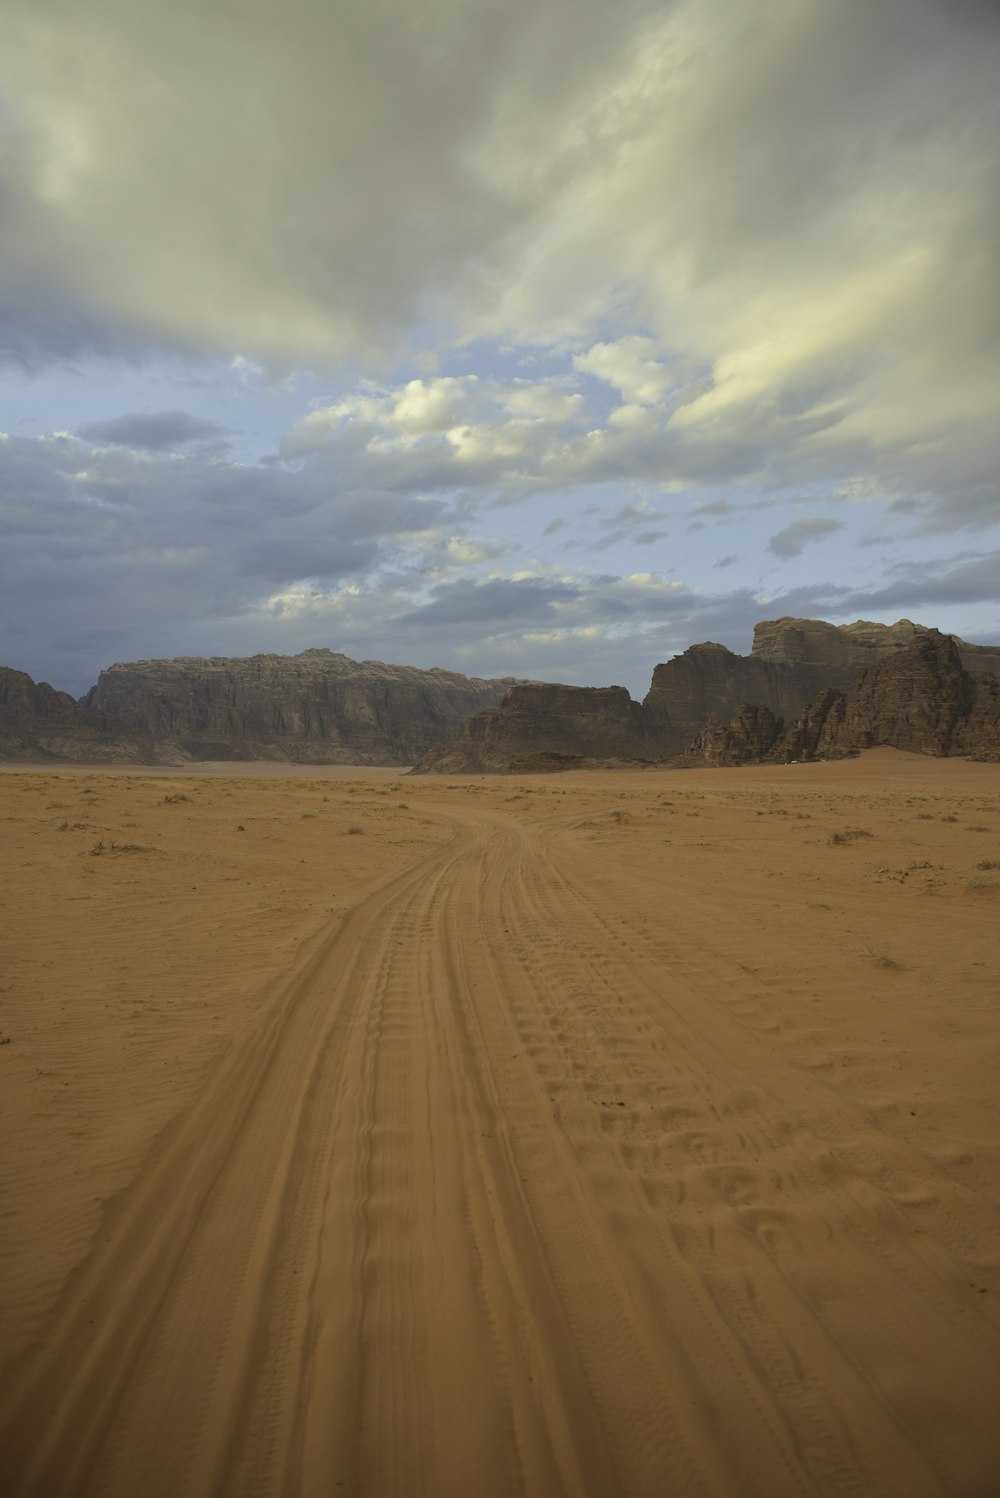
column 562, row 296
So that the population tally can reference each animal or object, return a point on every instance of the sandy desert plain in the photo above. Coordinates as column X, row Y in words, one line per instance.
column 596, row 1134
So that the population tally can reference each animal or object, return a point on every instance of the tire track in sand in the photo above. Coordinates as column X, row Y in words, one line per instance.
column 413, row 1240
column 142, row 1379
column 774, row 1187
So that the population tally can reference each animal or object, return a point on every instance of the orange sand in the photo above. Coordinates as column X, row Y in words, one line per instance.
column 586, row 1135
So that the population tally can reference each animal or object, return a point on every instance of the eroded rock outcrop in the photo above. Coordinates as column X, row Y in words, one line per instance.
column 317, row 707
column 545, row 727
column 791, row 662
column 39, row 723
column 920, row 698
column 747, row 738
column 793, row 697
column 854, row 647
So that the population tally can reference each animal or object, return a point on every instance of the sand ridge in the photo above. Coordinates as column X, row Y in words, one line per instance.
column 594, row 1134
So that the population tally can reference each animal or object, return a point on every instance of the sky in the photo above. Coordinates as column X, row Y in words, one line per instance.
column 540, row 338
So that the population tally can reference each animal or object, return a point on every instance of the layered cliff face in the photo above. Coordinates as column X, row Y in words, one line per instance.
column 37, row 722
column 791, row 662
column 790, row 641
column 747, row 738
column 318, row 707
column 711, row 681
column 540, row 727
column 920, row 698
column 916, row 700
column 711, row 706
column 854, row 647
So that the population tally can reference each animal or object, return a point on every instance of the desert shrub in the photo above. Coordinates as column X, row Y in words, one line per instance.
column 879, row 956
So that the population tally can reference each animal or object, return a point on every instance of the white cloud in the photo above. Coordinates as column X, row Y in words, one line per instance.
column 630, row 366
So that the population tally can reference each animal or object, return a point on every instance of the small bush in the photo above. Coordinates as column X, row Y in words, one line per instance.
column 849, row 835
column 879, row 956
column 354, row 830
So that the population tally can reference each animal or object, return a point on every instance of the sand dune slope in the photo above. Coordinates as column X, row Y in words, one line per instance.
column 580, row 1148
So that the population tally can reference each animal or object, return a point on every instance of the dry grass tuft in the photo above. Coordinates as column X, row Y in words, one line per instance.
column 879, row 956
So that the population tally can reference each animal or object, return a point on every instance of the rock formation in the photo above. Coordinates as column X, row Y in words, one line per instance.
column 855, row 645
column 791, row 661
column 920, row 698
column 318, row 707
column 711, row 706
column 538, row 727
column 807, row 689
column 747, row 738
column 39, row 723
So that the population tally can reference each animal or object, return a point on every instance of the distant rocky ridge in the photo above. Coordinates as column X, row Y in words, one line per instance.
column 317, row 707
column 808, row 689
column 711, row 706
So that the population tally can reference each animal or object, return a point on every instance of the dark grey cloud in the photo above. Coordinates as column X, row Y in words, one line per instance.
column 963, row 580
column 934, row 593
column 466, row 601
column 155, row 431
column 105, row 546
column 791, row 541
